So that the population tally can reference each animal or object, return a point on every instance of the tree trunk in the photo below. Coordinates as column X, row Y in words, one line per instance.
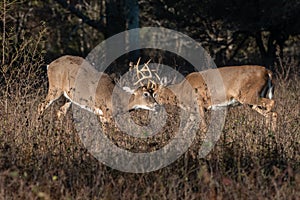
column 116, row 21
column 132, row 16
column 268, row 51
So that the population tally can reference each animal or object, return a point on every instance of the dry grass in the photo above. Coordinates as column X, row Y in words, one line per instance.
column 44, row 158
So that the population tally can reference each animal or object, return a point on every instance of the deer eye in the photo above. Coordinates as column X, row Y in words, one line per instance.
column 155, row 95
column 146, row 94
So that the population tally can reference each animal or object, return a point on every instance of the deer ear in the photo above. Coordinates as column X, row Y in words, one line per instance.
column 128, row 89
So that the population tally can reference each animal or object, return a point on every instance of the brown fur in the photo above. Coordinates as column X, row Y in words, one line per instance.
column 242, row 83
column 80, row 81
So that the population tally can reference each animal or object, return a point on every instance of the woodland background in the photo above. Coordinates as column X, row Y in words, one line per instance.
column 233, row 32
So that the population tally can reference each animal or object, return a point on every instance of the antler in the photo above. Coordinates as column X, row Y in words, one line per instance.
column 145, row 73
column 142, row 74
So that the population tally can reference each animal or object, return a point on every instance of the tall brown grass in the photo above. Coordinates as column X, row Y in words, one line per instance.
column 44, row 158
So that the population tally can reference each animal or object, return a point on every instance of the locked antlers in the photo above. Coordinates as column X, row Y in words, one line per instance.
column 144, row 73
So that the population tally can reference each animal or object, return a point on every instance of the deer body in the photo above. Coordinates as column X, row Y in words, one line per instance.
column 79, row 82
column 249, row 85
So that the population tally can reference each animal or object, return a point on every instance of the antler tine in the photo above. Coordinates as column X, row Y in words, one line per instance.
column 157, row 76
column 146, row 68
column 146, row 64
column 141, row 73
column 151, row 84
column 145, row 73
column 131, row 65
column 155, row 71
column 138, row 62
column 137, row 71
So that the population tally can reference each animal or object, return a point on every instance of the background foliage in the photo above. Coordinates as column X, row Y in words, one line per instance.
column 233, row 32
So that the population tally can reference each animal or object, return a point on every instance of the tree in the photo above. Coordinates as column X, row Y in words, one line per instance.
column 269, row 22
column 115, row 16
column 230, row 29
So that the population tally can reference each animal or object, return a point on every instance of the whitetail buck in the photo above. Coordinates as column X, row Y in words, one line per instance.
column 77, row 80
column 249, row 85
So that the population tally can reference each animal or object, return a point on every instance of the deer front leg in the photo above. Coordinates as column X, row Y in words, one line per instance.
column 51, row 97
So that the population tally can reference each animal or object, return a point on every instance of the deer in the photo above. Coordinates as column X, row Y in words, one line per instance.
column 81, row 84
column 250, row 85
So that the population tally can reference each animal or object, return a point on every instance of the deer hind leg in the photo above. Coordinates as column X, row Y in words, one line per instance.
column 271, row 117
column 103, row 119
column 105, row 123
column 264, row 108
column 268, row 104
column 51, row 97
column 203, row 125
column 63, row 110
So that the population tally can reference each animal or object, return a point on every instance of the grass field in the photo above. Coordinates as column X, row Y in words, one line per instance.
column 45, row 159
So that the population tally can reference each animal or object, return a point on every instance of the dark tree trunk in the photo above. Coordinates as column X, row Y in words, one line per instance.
column 116, row 21
column 132, row 16
column 268, row 51
column 122, row 15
